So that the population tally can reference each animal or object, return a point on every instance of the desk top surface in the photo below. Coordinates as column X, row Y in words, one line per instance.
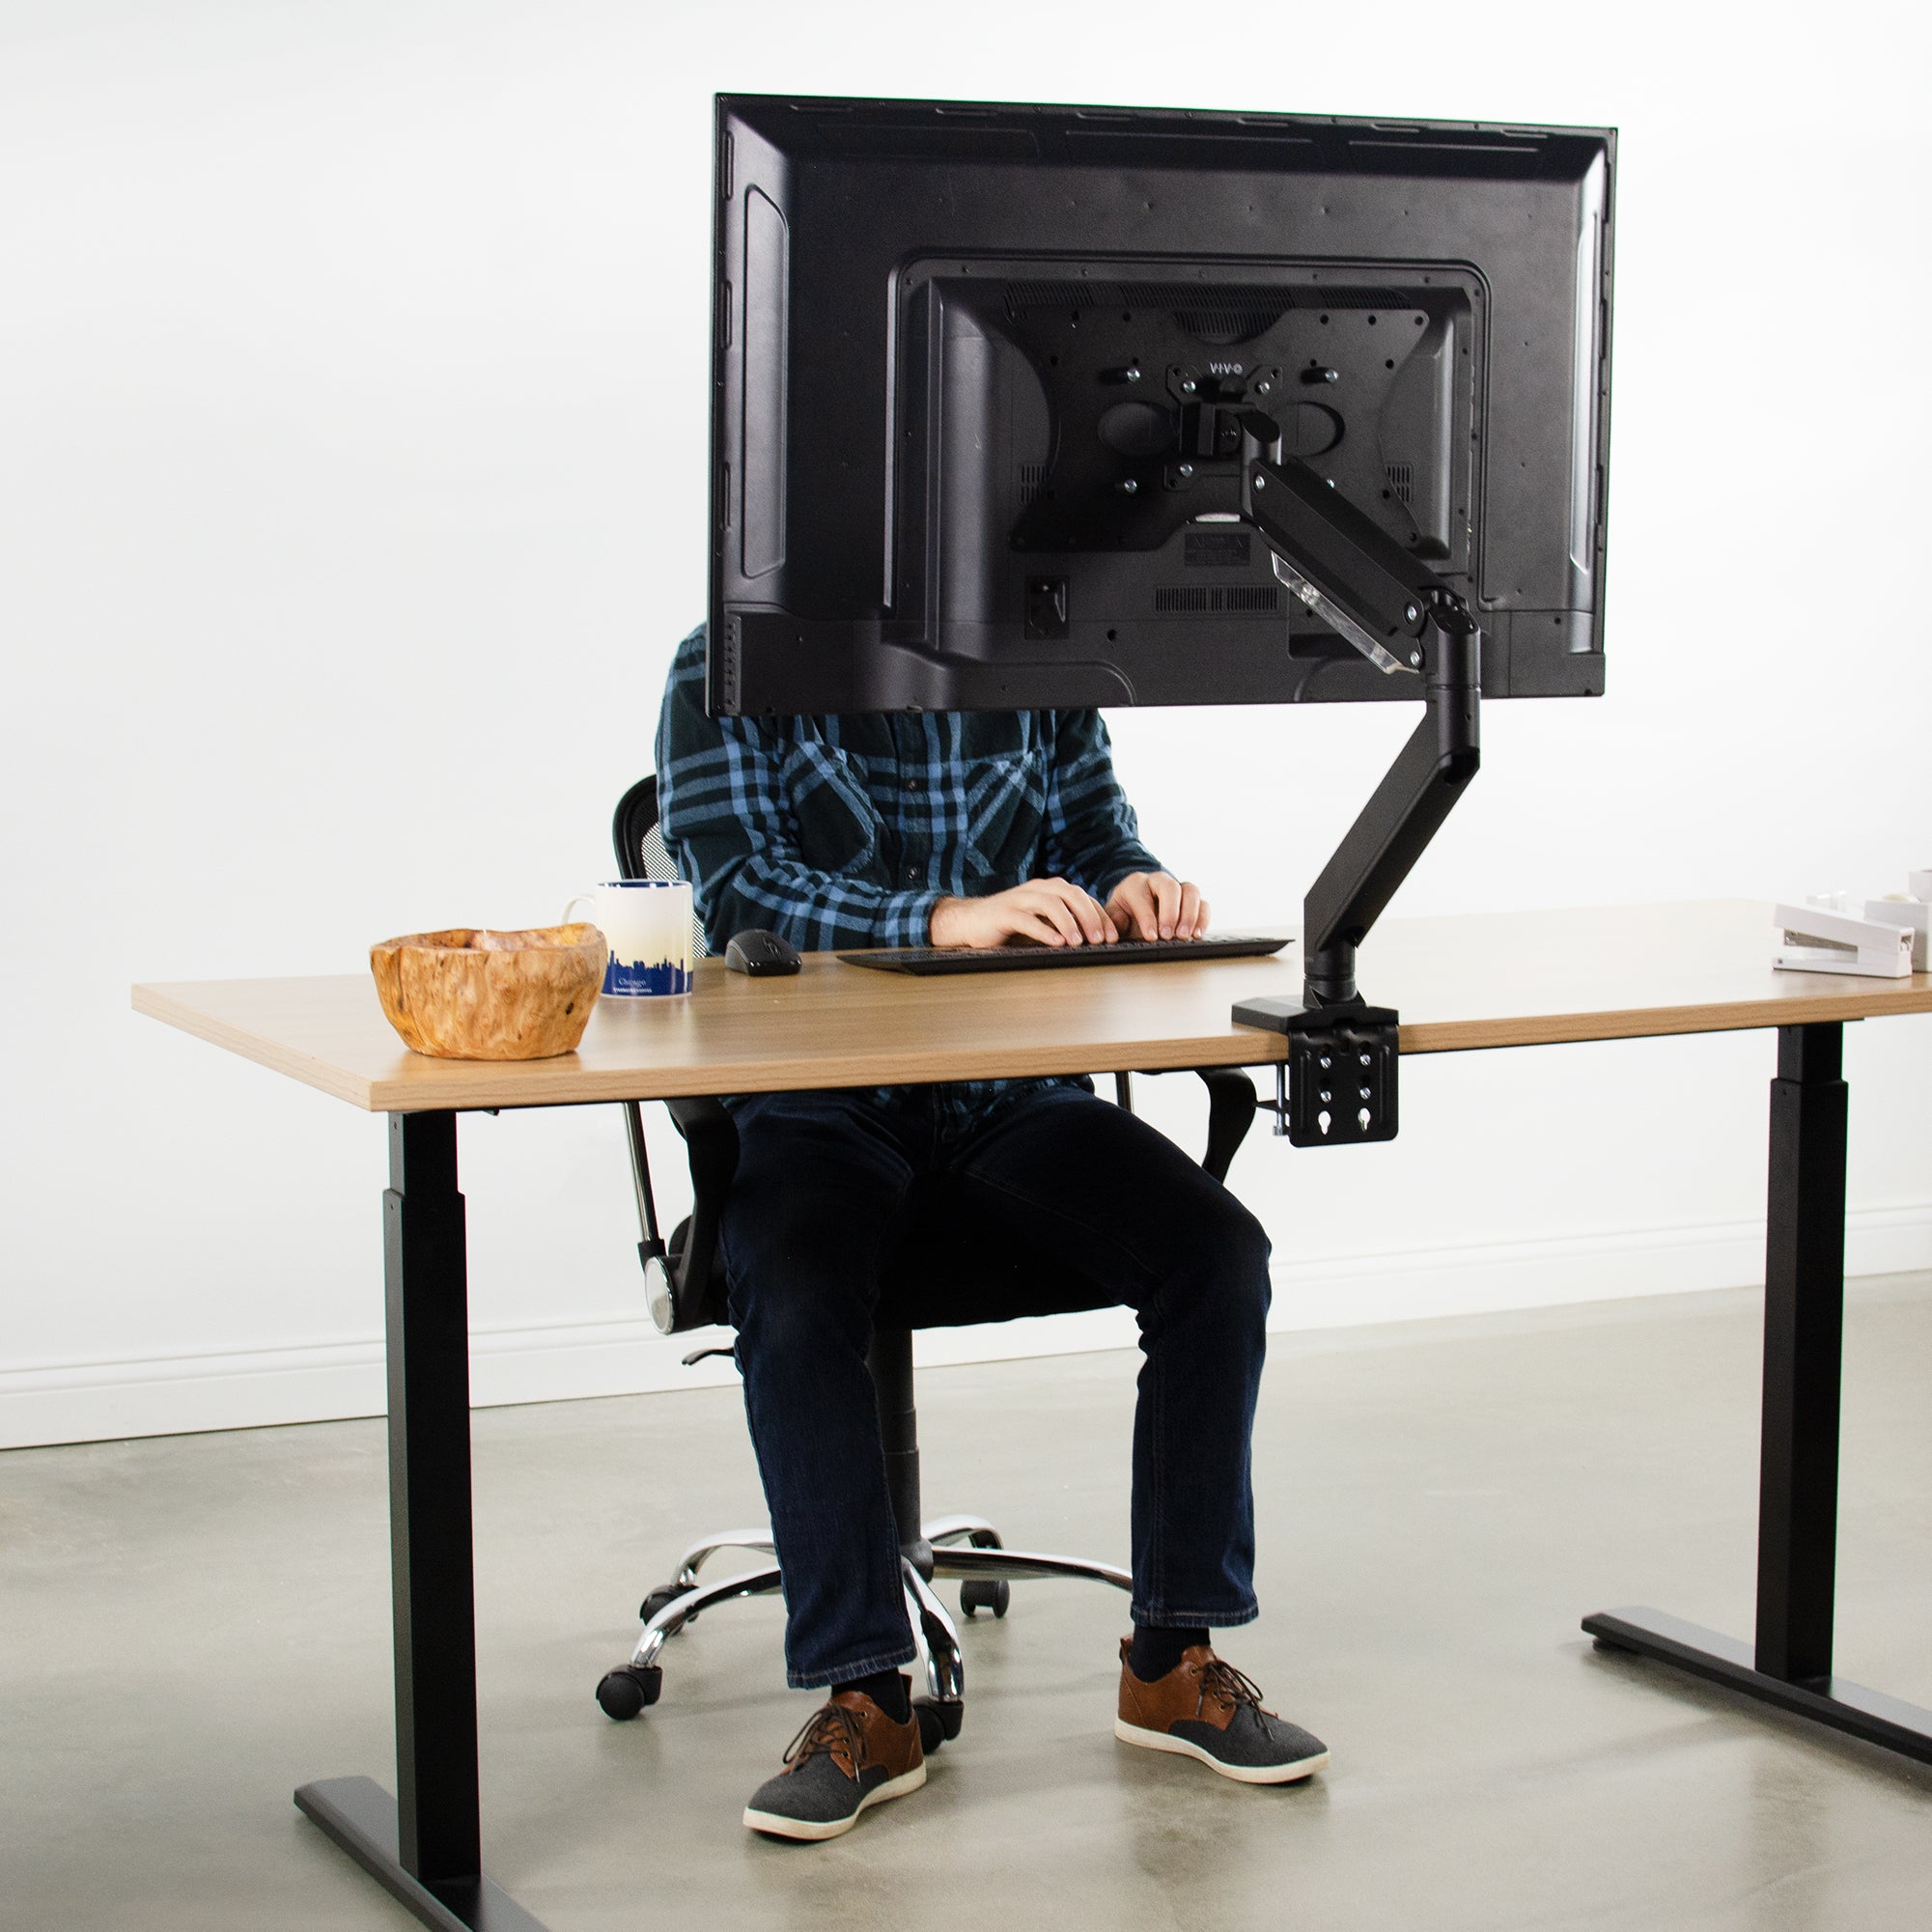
column 1517, row 979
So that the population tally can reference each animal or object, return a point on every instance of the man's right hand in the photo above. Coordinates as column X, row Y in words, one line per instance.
column 1049, row 912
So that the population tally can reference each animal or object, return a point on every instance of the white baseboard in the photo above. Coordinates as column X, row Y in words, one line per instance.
column 183, row 1394
column 1335, row 1291
column 173, row 1395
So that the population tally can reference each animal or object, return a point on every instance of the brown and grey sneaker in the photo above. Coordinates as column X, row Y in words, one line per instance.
column 1205, row 1708
column 849, row 1755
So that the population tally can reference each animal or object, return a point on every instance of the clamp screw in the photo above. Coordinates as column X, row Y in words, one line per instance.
column 1128, row 486
column 1410, row 614
column 1416, row 660
column 1187, row 386
column 1262, row 388
column 1261, row 482
column 1185, row 469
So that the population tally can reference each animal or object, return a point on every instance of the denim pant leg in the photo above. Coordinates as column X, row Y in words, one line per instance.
column 821, row 1179
column 1073, row 1182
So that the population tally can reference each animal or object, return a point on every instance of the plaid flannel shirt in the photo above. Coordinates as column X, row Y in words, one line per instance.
column 846, row 831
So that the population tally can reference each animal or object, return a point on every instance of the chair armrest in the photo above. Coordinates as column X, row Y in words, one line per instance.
column 1231, row 1109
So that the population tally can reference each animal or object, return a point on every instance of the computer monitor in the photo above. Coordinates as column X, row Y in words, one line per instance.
column 982, row 373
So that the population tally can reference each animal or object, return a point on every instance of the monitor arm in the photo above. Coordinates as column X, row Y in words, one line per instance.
column 1406, row 621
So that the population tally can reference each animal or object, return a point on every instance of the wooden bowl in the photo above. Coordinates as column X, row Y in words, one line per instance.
column 472, row 994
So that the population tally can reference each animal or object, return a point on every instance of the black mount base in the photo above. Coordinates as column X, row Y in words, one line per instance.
column 360, row 1817
column 1342, row 1067
column 1844, row 1706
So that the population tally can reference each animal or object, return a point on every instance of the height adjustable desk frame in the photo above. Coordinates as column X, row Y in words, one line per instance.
column 1544, row 978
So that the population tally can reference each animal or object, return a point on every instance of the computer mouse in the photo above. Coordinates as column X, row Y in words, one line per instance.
column 761, row 954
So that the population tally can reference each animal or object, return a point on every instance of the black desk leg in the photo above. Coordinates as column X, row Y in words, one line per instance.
column 426, row 1848
column 1798, row 1468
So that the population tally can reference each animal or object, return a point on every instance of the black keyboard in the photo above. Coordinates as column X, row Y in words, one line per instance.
column 1027, row 958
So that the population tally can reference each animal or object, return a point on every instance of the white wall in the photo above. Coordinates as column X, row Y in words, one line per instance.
column 351, row 408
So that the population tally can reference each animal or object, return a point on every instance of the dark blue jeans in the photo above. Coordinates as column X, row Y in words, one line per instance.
column 1065, row 1181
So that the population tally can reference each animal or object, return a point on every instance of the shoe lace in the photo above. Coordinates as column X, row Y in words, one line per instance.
column 1220, row 1680
column 830, row 1729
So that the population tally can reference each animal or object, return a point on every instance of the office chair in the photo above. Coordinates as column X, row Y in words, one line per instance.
column 938, row 1278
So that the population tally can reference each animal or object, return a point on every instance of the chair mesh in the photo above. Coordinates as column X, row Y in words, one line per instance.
column 660, row 864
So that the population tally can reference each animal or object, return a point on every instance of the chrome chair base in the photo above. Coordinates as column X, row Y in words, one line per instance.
column 964, row 1546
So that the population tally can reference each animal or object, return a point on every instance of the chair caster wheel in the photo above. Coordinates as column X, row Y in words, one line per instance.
column 668, row 1593
column 937, row 1722
column 628, row 1689
column 978, row 1593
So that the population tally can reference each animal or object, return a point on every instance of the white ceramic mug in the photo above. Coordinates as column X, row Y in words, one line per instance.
column 648, row 925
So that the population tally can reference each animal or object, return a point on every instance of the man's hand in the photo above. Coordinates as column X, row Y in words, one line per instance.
column 1158, row 906
column 1054, row 912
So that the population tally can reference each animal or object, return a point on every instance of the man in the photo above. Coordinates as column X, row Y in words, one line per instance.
column 964, row 830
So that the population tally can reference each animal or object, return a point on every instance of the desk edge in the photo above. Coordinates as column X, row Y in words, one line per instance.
column 473, row 1085
column 321, row 1074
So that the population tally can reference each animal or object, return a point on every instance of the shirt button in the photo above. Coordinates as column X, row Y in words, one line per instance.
column 911, row 784
column 911, row 875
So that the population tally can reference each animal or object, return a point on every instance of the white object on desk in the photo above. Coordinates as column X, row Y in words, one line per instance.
column 1915, row 915
column 1818, row 941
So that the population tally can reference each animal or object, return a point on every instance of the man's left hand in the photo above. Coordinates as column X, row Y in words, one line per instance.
column 1158, row 906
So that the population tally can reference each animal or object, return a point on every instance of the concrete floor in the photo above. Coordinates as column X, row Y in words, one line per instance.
column 194, row 1625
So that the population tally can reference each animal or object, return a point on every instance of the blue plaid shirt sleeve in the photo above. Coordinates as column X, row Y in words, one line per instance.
column 723, row 810
column 1092, row 835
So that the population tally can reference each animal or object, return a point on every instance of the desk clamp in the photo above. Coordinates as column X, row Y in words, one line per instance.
column 1339, row 1083
column 1338, row 1086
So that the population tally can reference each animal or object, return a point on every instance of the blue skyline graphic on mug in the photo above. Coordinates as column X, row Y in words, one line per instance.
column 628, row 978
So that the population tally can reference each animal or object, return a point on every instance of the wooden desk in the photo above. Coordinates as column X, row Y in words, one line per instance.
column 1527, row 979
column 1459, row 984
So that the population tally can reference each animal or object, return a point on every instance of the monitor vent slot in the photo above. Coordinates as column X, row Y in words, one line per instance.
column 1401, row 476
column 1226, row 323
column 1030, row 476
column 1057, row 295
column 1380, row 301
column 1227, row 304
column 1214, row 316
column 1231, row 600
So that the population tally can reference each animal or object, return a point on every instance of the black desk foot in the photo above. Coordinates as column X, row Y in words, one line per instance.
column 1846, row 1707
column 360, row 1817
column 1789, row 1665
